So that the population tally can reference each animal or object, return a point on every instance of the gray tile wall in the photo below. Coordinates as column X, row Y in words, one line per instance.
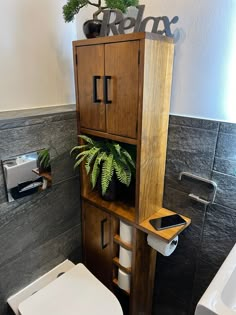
column 39, row 231
column 208, row 149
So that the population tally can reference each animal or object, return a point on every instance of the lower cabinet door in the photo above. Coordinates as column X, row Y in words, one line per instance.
column 97, row 243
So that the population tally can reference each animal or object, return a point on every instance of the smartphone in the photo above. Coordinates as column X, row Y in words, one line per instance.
column 167, row 222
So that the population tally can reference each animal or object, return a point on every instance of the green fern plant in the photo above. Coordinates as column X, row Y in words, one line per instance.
column 104, row 158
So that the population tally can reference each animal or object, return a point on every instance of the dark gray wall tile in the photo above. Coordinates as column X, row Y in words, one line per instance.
column 194, row 123
column 228, row 128
column 180, row 278
column 225, row 166
column 59, row 136
column 39, row 231
column 191, row 186
column 226, row 191
column 225, row 157
column 22, row 140
column 34, row 263
column 219, row 236
column 170, row 284
column 43, row 217
column 226, row 146
column 2, row 188
column 189, row 150
column 29, row 121
column 37, row 112
column 60, row 144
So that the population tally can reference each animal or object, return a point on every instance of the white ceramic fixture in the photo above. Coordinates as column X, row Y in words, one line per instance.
column 220, row 296
column 76, row 291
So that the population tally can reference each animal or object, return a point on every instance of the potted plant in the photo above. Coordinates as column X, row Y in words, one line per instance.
column 92, row 27
column 44, row 161
column 106, row 162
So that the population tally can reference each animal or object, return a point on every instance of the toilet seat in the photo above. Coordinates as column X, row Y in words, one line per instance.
column 75, row 292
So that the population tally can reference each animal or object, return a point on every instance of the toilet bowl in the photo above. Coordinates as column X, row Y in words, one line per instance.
column 75, row 292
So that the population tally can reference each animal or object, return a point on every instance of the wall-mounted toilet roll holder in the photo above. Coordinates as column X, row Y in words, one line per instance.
column 204, row 180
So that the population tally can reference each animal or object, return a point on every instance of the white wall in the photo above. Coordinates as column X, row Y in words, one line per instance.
column 205, row 63
column 35, row 54
column 36, row 57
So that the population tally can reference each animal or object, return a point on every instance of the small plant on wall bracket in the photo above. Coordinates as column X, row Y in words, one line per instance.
column 92, row 27
column 105, row 161
column 44, row 161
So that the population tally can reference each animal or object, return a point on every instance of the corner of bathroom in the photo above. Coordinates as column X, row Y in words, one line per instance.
column 118, row 158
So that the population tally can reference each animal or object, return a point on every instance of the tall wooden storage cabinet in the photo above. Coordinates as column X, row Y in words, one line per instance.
column 123, row 86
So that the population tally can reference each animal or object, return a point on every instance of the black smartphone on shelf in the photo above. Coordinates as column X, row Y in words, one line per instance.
column 167, row 222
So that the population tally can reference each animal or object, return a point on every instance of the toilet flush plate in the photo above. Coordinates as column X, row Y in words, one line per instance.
column 15, row 300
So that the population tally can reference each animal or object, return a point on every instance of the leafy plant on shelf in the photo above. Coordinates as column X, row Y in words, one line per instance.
column 104, row 158
column 72, row 7
column 44, row 161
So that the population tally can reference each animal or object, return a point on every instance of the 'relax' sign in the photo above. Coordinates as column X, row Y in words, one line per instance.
column 160, row 25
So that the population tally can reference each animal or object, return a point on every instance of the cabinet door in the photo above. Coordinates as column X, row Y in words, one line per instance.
column 90, row 72
column 121, row 63
column 97, row 243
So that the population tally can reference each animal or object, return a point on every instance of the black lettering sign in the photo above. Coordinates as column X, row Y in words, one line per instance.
column 120, row 24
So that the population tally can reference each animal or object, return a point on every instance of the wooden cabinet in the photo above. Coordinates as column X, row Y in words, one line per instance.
column 123, row 87
column 97, row 242
column 108, row 77
column 140, row 69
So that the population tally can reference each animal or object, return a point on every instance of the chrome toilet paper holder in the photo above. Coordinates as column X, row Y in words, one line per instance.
column 202, row 179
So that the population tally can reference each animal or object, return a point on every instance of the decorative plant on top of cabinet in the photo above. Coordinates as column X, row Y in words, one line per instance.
column 92, row 27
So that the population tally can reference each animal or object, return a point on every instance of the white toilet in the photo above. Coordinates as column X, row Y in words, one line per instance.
column 75, row 292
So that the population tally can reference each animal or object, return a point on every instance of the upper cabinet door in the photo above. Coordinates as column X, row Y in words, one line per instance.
column 90, row 72
column 121, row 88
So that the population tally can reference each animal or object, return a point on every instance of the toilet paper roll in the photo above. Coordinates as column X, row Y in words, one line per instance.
column 126, row 232
column 125, row 257
column 166, row 249
column 123, row 280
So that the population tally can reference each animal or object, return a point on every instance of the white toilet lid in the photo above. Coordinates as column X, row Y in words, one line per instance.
column 77, row 292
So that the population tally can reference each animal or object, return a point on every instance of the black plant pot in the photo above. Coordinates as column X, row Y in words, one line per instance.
column 92, row 28
column 111, row 193
column 126, row 194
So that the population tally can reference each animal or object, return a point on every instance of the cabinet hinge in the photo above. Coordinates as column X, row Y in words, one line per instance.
column 139, row 57
column 136, row 127
column 76, row 59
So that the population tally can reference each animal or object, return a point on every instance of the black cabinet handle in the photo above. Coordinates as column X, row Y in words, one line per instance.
column 95, row 93
column 105, row 89
column 102, row 234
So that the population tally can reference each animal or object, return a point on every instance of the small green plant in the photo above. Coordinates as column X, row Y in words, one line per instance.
column 105, row 158
column 44, row 160
column 72, row 7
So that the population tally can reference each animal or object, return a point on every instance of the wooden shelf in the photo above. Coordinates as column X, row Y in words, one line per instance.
column 45, row 175
column 117, row 208
column 115, row 282
column 106, row 135
column 116, row 261
column 119, row 241
column 167, row 234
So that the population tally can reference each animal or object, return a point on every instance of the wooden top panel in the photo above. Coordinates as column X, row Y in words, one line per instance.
column 167, row 234
column 121, row 38
column 117, row 208
column 108, row 136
